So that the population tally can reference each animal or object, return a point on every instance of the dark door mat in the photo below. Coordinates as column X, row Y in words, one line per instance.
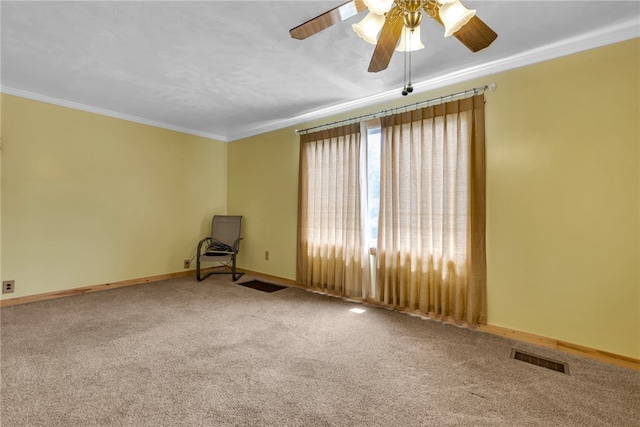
column 262, row 286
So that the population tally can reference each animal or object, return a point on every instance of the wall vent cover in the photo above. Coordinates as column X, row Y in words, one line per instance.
column 554, row 365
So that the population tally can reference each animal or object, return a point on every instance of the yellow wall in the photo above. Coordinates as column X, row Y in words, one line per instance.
column 563, row 226
column 563, row 206
column 263, row 187
column 89, row 199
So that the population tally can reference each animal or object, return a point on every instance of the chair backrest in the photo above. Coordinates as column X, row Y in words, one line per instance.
column 226, row 228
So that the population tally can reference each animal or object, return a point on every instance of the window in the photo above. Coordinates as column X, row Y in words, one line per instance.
column 373, row 183
column 422, row 209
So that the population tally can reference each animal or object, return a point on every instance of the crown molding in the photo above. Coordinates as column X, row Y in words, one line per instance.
column 613, row 34
column 109, row 113
column 602, row 37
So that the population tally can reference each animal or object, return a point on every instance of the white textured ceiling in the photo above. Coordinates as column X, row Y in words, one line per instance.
column 229, row 69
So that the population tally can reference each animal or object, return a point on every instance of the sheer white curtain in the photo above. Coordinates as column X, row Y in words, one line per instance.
column 332, row 253
column 431, row 244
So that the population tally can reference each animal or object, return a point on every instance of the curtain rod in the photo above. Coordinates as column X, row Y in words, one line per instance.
column 405, row 108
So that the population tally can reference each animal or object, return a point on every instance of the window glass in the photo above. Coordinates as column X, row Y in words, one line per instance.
column 373, row 182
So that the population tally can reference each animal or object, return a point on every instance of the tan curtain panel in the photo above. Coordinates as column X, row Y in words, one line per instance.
column 331, row 252
column 431, row 231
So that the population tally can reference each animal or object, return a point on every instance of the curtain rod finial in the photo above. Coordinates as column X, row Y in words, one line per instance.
column 491, row 86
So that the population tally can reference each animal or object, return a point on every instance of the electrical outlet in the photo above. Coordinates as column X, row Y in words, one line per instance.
column 8, row 286
column 266, row 255
column 187, row 263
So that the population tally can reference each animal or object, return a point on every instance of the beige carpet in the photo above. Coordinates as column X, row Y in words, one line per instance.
column 182, row 353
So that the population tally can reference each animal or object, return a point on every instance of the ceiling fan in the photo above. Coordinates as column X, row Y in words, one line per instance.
column 384, row 24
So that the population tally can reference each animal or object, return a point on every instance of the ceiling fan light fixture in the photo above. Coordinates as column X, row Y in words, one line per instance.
column 369, row 27
column 379, row 7
column 475, row 34
column 416, row 43
column 454, row 16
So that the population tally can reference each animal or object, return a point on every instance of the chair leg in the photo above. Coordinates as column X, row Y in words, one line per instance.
column 233, row 268
column 234, row 274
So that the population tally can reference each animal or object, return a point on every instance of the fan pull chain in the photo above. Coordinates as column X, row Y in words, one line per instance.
column 409, row 87
column 404, row 75
column 407, row 53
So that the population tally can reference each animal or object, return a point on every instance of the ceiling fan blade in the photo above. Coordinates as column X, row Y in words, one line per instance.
column 387, row 42
column 327, row 19
column 475, row 34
